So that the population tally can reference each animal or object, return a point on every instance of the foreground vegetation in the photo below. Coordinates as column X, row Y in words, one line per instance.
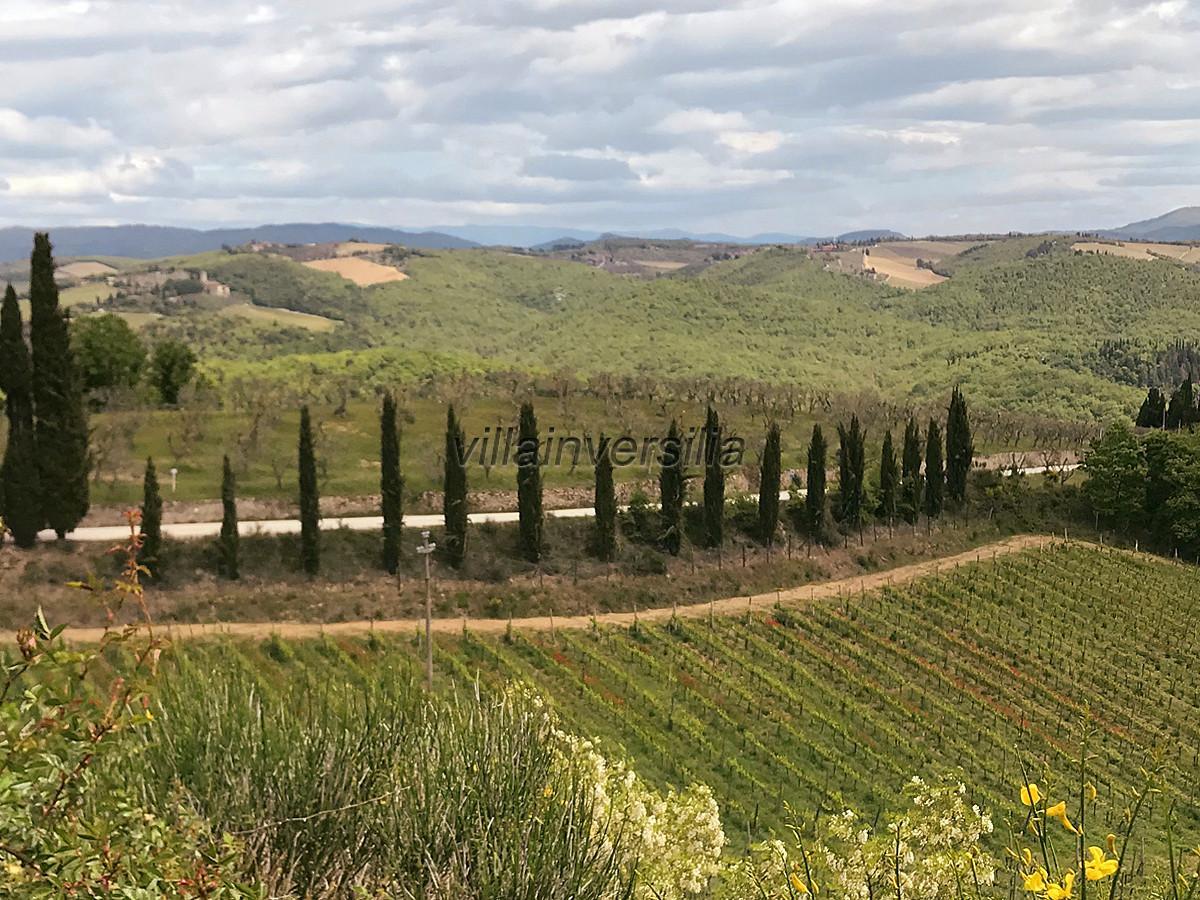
column 317, row 769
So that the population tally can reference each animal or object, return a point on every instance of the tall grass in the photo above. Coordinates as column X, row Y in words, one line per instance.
column 338, row 788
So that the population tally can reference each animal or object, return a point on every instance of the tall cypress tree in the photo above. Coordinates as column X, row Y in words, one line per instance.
column 771, row 472
column 454, row 490
column 851, row 471
column 605, row 503
column 529, row 485
column 1153, row 411
column 714, row 482
column 960, row 448
column 934, row 476
column 60, row 418
column 150, row 553
column 670, row 484
column 912, row 484
column 310, row 498
column 889, row 478
column 227, row 543
column 20, row 484
column 814, row 498
column 391, row 484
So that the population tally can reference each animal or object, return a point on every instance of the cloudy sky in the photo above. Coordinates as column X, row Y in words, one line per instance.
column 794, row 115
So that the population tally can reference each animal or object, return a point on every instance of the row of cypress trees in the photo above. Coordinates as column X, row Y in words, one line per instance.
column 903, row 485
column 44, row 475
column 918, row 481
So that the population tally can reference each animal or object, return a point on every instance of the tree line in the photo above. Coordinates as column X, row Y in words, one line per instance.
column 929, row 473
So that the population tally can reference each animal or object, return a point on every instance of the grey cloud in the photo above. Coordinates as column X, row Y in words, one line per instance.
column 565, row 167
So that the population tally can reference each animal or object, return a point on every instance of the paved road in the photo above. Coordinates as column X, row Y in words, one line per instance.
column 184, row 530
column 796, row 596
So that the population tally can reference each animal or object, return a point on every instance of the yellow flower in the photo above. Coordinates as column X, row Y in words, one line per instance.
column 1035, row 882
column 1096, row 866
column 13, row 869
column 1111, row 840
column 798, row 884
column 1059, row 811
column 1089, row 791
column 1027, row 858
column 1030, row 795
column 1062, row 891
column 547, row 791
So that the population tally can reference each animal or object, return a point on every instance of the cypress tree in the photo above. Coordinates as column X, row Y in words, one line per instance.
column 227, row 543
column 934, row 476
column 814, row 498
column 960, row 449
column 391, row 484
column 714, row 482
column 911, row 480
column 529, row 485
column 768, row 486
column 1153, row 411
column 1182, row 411
column 605, row 504
column 150, row 553
column 20, row 484
column 670, row 484
column 851, row 471
column 60, row 419
column 310, row 499
column 889, row 478
column 454, row 491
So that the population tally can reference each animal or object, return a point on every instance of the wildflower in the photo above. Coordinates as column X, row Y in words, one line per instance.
column 1027, row 857
column 1089, row 791
column 1111, row 840
column 1062, row 891
column 1030, row 795
column 13, row 869
column 1059, row 811
column 798, row 884
column 1035, row 881
column 1097, row 866
column 547, row 791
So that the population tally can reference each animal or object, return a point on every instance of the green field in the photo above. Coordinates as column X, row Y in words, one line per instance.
column 980, row 670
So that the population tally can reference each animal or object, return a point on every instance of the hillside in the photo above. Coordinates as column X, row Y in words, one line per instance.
column 1018, row 322
column 152, row 241
column 981, row 670
column 1181, row 224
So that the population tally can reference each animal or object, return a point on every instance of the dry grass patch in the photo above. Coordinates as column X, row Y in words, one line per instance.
column 85, row 268
column 900, row 271
column 1142, row 250
column 282, row 317
column 354, row 248
column 362, row 272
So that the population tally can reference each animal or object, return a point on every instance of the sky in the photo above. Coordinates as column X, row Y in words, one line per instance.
column 926, row 116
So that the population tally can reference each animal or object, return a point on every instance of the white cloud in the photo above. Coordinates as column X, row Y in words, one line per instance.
column 605, row 113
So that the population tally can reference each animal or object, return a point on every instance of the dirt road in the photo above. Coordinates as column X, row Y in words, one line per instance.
column 789, row 597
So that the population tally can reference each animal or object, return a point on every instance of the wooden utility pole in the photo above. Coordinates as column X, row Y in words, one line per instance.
column 426, row 549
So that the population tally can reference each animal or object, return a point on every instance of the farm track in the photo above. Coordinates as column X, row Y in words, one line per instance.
column 796, row 596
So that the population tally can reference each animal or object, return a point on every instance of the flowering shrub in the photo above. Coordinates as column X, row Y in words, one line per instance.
column 931, row 851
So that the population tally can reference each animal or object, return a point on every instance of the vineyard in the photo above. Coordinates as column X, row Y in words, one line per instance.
column 982, row 668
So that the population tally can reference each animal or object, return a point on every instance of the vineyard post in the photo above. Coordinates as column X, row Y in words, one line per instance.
column 426, row 549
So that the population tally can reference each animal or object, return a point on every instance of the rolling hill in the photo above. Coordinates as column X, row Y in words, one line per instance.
column 153, row 241
column 1181, row 224
column 1018, row 323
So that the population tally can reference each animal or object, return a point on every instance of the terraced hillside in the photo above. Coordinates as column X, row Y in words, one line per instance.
column 982, row 668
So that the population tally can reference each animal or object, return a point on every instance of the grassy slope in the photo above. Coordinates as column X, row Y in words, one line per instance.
column 1012, row 329
column 848, row 698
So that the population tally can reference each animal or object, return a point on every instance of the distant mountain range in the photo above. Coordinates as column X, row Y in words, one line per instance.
column 152, row 241
column 1181, row 224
